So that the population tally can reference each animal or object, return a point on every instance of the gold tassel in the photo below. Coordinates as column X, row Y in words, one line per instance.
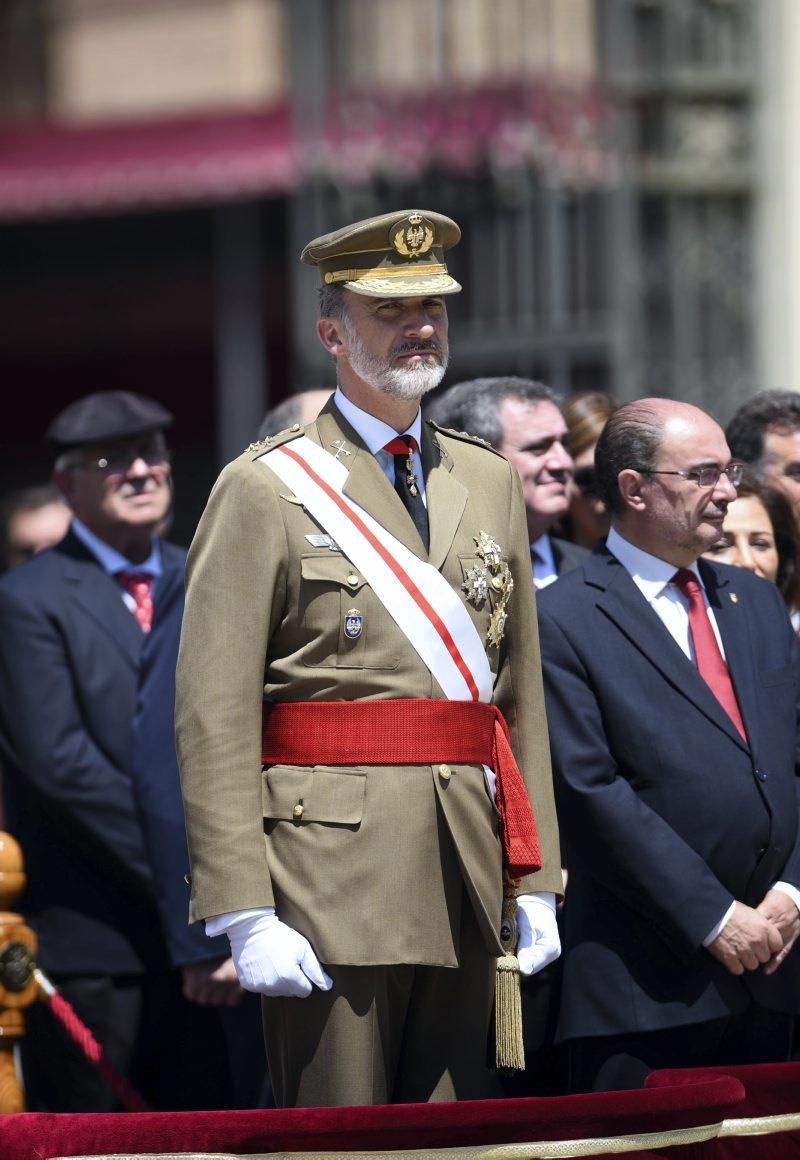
column 509, row 1046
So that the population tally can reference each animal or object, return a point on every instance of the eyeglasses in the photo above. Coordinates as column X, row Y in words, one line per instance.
column 118, row 460
column 705, row 477
column 585, row 479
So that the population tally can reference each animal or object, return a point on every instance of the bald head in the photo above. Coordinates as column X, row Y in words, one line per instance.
column 647, row 459
column 302, row 407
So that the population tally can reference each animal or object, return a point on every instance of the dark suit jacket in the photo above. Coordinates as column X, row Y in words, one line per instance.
column 156, row 787
column 567, row 555
column 70, row 659
column 668, row 816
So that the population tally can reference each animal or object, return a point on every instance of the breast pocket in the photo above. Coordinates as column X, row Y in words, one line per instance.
column 347, row 626
column 297, row 794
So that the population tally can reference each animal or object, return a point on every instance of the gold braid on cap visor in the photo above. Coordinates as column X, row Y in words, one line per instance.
column 381, row 273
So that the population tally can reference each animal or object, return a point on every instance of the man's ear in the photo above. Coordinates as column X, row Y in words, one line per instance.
column 328, row 332
column 631, row 488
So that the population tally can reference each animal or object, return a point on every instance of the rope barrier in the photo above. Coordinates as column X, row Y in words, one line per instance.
column 82, row 1036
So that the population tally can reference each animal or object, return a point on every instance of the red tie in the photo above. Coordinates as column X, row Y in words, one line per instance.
column 139, row 585
column 710, row 663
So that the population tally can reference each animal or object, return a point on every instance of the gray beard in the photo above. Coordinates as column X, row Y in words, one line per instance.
column 408, row 383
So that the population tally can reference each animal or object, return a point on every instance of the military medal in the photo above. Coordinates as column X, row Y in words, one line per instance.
column 411, row 478
column 476, row 585
column 499, row 579
column 489, row 551
column 353, row 624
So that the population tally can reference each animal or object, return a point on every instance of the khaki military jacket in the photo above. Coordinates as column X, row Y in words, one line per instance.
column 381, row 859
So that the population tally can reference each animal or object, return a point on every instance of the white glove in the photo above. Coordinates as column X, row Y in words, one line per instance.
column 538, row 941
column 271, row 958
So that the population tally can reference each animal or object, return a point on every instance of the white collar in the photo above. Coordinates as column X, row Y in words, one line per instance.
column 375, row 433
column 110, row 559
column 650, row 573
column 545, row 551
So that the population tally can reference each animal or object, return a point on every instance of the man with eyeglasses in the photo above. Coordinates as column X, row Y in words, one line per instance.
column 671, row 686
column 84, row 627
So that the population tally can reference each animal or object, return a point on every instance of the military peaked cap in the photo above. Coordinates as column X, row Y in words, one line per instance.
column 107, row 415
column 396, row 255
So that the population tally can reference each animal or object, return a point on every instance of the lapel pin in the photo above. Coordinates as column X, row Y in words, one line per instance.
column 734, row 598
column 340, row 448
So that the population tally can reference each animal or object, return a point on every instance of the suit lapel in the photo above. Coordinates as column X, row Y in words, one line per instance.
column 366, row 484
column 99, row 598
column 625, row 605
column 731, row 617
column 168, row 587
column 446, row 498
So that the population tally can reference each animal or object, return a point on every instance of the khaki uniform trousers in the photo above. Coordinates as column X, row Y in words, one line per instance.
column 387, row 1034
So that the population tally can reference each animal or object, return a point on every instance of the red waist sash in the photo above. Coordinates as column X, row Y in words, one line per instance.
column 410, row 732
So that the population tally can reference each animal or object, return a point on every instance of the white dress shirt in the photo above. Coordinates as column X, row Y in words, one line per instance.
column 544, row 565
column 653, row 577
column 112, row 561
column 376, row 434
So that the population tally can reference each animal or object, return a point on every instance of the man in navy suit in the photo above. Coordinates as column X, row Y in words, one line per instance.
column 81, row 627
column 522, row 420
column 671, row 689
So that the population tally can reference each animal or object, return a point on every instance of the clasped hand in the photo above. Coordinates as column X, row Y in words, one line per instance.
column 760, row 936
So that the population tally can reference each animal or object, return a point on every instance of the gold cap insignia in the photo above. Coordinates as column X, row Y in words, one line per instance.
column 413, row 237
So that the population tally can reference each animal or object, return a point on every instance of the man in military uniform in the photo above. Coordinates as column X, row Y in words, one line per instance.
column 362, row 590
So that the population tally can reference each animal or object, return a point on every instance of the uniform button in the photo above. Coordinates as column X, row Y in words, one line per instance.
column 187, row 878
column 352, row 578
column 295, row 426
column 297, row 812
column 444, row 772
column 760, row 775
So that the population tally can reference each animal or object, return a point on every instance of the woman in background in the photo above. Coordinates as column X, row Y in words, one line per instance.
column 759, row 533
column 586, row 415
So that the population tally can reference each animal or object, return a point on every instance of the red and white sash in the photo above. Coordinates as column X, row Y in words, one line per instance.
column 417, row 597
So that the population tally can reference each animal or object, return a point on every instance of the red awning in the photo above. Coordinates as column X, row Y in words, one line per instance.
column 49, row 170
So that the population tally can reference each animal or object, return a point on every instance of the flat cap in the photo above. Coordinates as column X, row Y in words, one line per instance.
column 396, row 255
column 106, row 415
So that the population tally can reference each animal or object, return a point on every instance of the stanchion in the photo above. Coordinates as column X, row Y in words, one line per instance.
column 18, row 987
column 21, row 982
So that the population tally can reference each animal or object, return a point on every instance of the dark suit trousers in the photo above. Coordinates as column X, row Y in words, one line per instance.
column 172, row 1051
column 387, row 1034
column 617, row 1062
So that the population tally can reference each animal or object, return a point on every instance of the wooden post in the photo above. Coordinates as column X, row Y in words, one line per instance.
column 18, row 988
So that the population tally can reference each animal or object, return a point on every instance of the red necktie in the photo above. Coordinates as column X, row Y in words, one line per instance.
column 710, row 663
column 402, row 447
column 139, row 585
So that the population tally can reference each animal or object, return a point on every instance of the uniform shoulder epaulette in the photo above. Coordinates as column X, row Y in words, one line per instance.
column 271, row 441
column 464, row 436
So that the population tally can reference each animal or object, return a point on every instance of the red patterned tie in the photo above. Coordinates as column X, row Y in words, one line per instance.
column 139, row 585
column 710, row 663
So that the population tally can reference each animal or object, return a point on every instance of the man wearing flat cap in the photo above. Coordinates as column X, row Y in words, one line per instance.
column 83, row 628
column 359, row 710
